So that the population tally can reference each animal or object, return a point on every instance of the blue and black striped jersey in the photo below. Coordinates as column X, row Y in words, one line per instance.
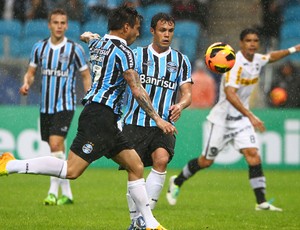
column 109, row 57
column 161, row 75
column 58, row 64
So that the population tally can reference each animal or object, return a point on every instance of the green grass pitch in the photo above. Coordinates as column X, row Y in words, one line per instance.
column 211, row 200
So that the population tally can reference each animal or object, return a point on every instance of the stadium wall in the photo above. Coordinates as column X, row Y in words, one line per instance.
column 280, row 144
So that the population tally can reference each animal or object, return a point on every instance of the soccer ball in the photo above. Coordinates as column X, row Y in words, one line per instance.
column 220, row 57
column 278, row 96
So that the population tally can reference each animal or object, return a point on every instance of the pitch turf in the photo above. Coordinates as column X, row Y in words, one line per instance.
column 211, row 200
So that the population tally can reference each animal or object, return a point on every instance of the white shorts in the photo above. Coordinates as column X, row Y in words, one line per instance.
column 219, row 137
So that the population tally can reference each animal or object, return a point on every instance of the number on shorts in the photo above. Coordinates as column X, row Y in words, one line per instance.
column 252, row 139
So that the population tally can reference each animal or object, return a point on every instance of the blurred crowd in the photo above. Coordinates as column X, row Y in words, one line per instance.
column 205, row 89
column 84, row 10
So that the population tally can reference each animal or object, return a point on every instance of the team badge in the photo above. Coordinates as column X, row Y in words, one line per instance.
column 87, row 148
column 172, row 67
column 63, row 58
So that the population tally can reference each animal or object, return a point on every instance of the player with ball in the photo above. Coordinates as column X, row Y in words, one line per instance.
column 230, row 120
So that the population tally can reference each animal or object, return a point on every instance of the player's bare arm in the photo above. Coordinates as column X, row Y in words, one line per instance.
column 87, row 36
column 28, row 81
column 185, row 100
column 140, row 94
column 279, row 54
column 86, row 79
column 233, row 98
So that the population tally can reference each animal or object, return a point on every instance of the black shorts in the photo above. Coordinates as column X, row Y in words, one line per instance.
column 55, row 124
column 147, row 139
column 98, row 134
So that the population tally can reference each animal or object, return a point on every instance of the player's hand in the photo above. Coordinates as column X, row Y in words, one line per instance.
column 257, row 123
column 297, row 47
column 87, row 36
column 166, row 127
column 24, row 89
column 175, row 112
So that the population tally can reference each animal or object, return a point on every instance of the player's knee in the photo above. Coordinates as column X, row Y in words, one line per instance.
column 252, row 156
column 136, row 168
column 204, row 163
column 161, row 162
column 72, row 175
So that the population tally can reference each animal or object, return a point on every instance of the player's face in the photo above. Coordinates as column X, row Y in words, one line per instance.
column 58, row 26
column 134, row 32
column 249, row 45
column 162, row 35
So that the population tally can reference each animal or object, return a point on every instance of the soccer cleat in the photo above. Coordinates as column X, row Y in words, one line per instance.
column 64, row 200
column 267, row 207
column 4, row 159
column 159, row 227
column 137, row 224
column 173, row 191
column 50, row 199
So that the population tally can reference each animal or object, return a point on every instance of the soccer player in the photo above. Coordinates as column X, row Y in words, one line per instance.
column 165, row 73
column 231, row 121
column 112, row 65
column 58, row 59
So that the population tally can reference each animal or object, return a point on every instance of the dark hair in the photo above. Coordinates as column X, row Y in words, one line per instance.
column 161, row 16
column 57, row 11
column 247, row 31
column 121, row 15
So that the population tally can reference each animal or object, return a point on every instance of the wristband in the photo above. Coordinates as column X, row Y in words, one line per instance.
column 292, row 50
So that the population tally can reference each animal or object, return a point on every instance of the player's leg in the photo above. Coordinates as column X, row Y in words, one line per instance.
column 214, row 145
column 157, row 176
column 246, row 141
column 54, row 129
column 130, row 160
column 48, row 166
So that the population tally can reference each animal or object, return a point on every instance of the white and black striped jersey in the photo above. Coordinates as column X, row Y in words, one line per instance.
column 244, row 76
column 109, row 58
column 58, row 64
column 161, row 75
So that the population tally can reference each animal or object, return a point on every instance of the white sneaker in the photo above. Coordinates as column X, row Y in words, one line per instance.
column 173, row 191
column 267, row 206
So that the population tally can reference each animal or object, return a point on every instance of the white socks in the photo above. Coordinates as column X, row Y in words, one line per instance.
column 49, row 166
column 154, row 184
column 137, row 191
column 55, row 182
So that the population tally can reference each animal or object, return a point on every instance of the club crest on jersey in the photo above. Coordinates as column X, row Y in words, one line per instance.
column 63, row 58
column 88, row 148
column 172, row 67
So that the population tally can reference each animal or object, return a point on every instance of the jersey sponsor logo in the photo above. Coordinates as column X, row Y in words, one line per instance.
column 95, row 57
column 129, row 54
column 172, row 67
column 101, row 51
column 55, row 72
column 232, row 118
column 249, row 81
column 87, row 148
column 157, row 82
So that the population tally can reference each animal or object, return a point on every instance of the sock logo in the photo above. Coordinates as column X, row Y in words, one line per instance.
column 27, row 168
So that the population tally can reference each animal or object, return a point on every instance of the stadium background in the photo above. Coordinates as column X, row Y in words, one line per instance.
column 280, row 144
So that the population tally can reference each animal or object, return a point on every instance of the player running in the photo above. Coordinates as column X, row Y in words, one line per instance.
column 231, row 121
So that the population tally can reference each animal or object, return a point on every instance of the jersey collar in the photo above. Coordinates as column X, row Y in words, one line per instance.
column 58, row 46
column 159, row 54
column 115, row 37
